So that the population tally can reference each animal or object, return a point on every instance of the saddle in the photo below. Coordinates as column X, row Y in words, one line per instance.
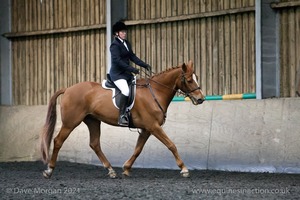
column 109, row 85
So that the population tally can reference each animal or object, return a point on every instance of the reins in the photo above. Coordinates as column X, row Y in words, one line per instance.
column 148, row 85
column 183, row 80
column 155, row 99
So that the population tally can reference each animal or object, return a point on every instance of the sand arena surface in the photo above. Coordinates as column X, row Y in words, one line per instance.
column 24, row 180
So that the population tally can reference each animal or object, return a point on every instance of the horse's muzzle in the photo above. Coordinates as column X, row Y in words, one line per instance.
column 200, row 101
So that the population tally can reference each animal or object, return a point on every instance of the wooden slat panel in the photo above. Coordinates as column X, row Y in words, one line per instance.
column 216, row 35
column 285, row 4
column 46, row 62
column 284, row 60
column 52, row 67
column 245, row 56
column 39, row 70
column 221, row 50
column 103, row 54
column 227, row 58
column 233, row 51
column 289, row 51
column 239, row 43
column 203, row 57
column 15, row 83
column 222, row 47
column 209, row 51
column 252, row 67
column 297, row 43
column 174, row 43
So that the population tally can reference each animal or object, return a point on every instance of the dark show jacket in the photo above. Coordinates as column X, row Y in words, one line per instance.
column 120, row 56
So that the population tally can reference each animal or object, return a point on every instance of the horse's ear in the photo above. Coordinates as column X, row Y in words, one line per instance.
column 191, row 64
column 184, row 67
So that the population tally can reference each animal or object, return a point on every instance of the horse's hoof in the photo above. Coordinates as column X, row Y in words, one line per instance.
column 47, row 173
column 126, row 174
column 112, row 174
column 185, row 174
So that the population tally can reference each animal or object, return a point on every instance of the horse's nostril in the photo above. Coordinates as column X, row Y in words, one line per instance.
column 200, row 101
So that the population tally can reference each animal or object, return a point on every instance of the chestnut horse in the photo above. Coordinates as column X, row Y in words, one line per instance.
column 90, row 103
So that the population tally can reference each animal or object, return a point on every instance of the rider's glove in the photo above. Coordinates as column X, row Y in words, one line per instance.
column 148, row 67
column 136, row 71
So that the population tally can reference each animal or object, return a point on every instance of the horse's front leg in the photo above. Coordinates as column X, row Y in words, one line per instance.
column 159, row 133
column 142, row 139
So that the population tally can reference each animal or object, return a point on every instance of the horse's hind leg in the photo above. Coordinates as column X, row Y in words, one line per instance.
column 142, row 139
column 58, row 142
column 95, row 132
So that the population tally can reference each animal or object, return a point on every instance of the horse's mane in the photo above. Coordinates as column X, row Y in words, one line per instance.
column 167, row 70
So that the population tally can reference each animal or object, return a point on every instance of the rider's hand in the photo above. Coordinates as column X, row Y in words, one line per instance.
column 136, row 71
column 148, row 67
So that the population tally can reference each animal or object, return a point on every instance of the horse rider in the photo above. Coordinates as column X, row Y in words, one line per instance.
column 121, row 71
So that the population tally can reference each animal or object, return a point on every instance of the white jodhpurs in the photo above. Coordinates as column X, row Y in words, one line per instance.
column 123, row 86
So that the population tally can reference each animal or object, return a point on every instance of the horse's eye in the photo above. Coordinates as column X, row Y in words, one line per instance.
column 190, row 80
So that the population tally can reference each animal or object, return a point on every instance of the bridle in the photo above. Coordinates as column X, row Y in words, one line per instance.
column 188, row 92
column 184, row 82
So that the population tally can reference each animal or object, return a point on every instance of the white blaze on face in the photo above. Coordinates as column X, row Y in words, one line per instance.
column 195, row 79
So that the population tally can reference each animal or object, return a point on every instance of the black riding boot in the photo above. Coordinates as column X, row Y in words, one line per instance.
column 123, row 118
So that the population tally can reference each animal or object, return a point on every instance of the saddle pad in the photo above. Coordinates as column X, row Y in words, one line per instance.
column 116, row 96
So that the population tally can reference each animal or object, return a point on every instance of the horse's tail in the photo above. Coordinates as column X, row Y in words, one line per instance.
column 49, row 126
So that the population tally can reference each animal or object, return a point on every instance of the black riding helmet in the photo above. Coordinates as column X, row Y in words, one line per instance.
column 118, row 26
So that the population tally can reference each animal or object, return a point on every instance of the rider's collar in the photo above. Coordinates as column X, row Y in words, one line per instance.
column 121, row 39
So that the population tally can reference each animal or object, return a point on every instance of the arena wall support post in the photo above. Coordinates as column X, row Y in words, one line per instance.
column 115, row 10
column 5, row 55
column 258, row 48
column 270, row 50
column 108, row 34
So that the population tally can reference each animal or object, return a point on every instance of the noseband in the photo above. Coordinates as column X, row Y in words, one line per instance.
column 183, row 82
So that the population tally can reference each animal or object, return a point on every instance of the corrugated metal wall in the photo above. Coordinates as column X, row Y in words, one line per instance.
column 59, row 43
